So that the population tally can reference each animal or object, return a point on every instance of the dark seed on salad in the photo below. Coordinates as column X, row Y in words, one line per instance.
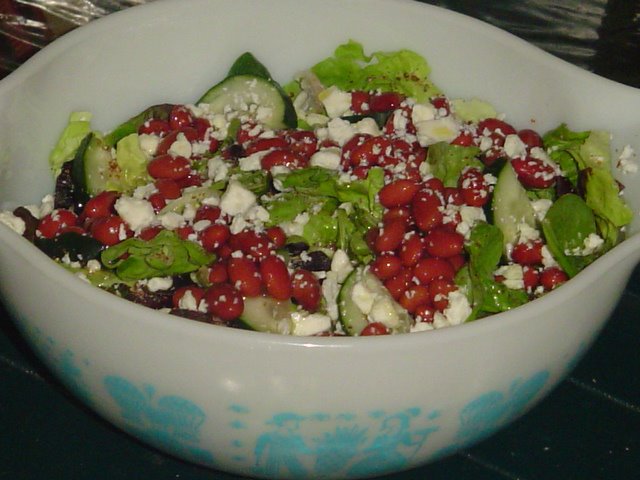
column 360, row 203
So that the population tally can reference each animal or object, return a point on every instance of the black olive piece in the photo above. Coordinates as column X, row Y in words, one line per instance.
column 316, row 261
column 144, row 296
column 235, row 151
column 563, row 186
column 30, row 223
column 65, row 188
column 78, row 247
column 296, row 248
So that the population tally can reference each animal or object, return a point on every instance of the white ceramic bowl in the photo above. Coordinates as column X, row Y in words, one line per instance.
column 273, row 406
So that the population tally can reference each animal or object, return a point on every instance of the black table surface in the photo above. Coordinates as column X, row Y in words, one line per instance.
column 587, row 428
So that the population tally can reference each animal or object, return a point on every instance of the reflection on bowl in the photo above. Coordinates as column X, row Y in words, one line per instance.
column 267, row 405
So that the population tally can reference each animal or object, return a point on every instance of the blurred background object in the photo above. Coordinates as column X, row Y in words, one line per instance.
column 598, row 35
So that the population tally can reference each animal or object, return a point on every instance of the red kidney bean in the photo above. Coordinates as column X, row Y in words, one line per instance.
column 154, row 126
column 166, row 166
column 180, row 117
column 276, row 236
column 194, row 290
column 530, row 138
column 306, row 290
column 398, row 284
column 201, row 126
column 374, row 328
column 185, row 232
column 411, row 250
column 360, row 102
column 533, row 172
column 430, row 268
column 441, row 103
column 51, row 225
column 302, row 142
column 168, row 188
column 244, row 275
column 371, row 152
column 214, row 236
column 386, row 266
column 474, row 190
column 414, row 297
column 285, row 158
column 439, row 290
column 442, row 243
column 149, row 233
column 397, row 213
column 530, row 278
column 425, row 208
column 527, row 253
column 166, row 142
column 255, row 245
column 157, row 201
column 457, row 261
column 264, row 144
column 218, row 273
column 110, row 230
column 398, row 194
column 224, row 301
column 207, row 212
column 355, row 141
column 552, row 277
column 424, row 313
column 390, row 236
column 384, row 102
column 101, row 205
column 276, row 278
column 496, row 129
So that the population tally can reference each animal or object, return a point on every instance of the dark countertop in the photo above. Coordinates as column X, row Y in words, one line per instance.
column 587, row 429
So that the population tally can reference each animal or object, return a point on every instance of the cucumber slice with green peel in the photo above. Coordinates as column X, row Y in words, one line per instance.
column 257, row 96
column 363, row 289
column 265, row 314
column 511, row 205
column 93, row 169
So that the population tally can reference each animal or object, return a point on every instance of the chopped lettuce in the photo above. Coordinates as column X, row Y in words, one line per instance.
column 485, row 294
column 164, row 255
column 351, row 69
column 473, row 109
column 78, row 127
column 566, row 226
column 447, row 161
column 132, row 162
column 585, row 159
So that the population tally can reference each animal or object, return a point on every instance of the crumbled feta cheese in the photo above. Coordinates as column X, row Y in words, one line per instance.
column 341, row 265
column 296, row 226
column 148, row 143
column 181, row 147
column 340, row 131
column 423, row 112
column 439, row 130
column 513, row 276
column 236, row 199
column 252, row 162
column 626, row 161
column 144, row 191
column 137, row 213
column 592, row 243
column 217, row 169
column 328, row 158
column 13, row 222
column 514, row 146
column 368, row 126
column 335, row 101
column 547, row 258
column 157, row 284
column 171, row 220
column 541, row 207
column 188, row 301
column 309, row 324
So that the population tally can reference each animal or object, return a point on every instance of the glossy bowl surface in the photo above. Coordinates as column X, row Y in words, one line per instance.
column 271, row 406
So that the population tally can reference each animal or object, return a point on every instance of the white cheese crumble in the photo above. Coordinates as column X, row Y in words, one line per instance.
column 137, row 213
column 181, row 147
column 336, row 102
column 328, row 158
column 626, row 161
column 13, row 222
column 236, row 199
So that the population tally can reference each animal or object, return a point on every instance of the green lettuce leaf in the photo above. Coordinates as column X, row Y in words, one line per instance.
column 566, row 225
column 164, row 255
column 78, row 127
column 132, row 162
column 351, row 69
column 447, row 161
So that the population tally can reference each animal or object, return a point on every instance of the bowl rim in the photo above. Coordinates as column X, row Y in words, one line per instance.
column 628, row 249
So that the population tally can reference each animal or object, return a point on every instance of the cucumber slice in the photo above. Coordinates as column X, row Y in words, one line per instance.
column 511, row 206
column 93, row 169
column 361, row 287
column 241, row 92
column 264, row 314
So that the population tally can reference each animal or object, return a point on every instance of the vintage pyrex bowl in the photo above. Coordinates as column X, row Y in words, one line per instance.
column 265, row 405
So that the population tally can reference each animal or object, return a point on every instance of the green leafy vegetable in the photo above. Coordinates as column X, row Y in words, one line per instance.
column 447, row 161
column 486, row 295
column 160, row 112
column 401, row 71
column 78, row 127
column 164, row 255
column 566, row 226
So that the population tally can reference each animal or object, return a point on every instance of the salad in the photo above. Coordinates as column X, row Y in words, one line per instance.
column 357, row 199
